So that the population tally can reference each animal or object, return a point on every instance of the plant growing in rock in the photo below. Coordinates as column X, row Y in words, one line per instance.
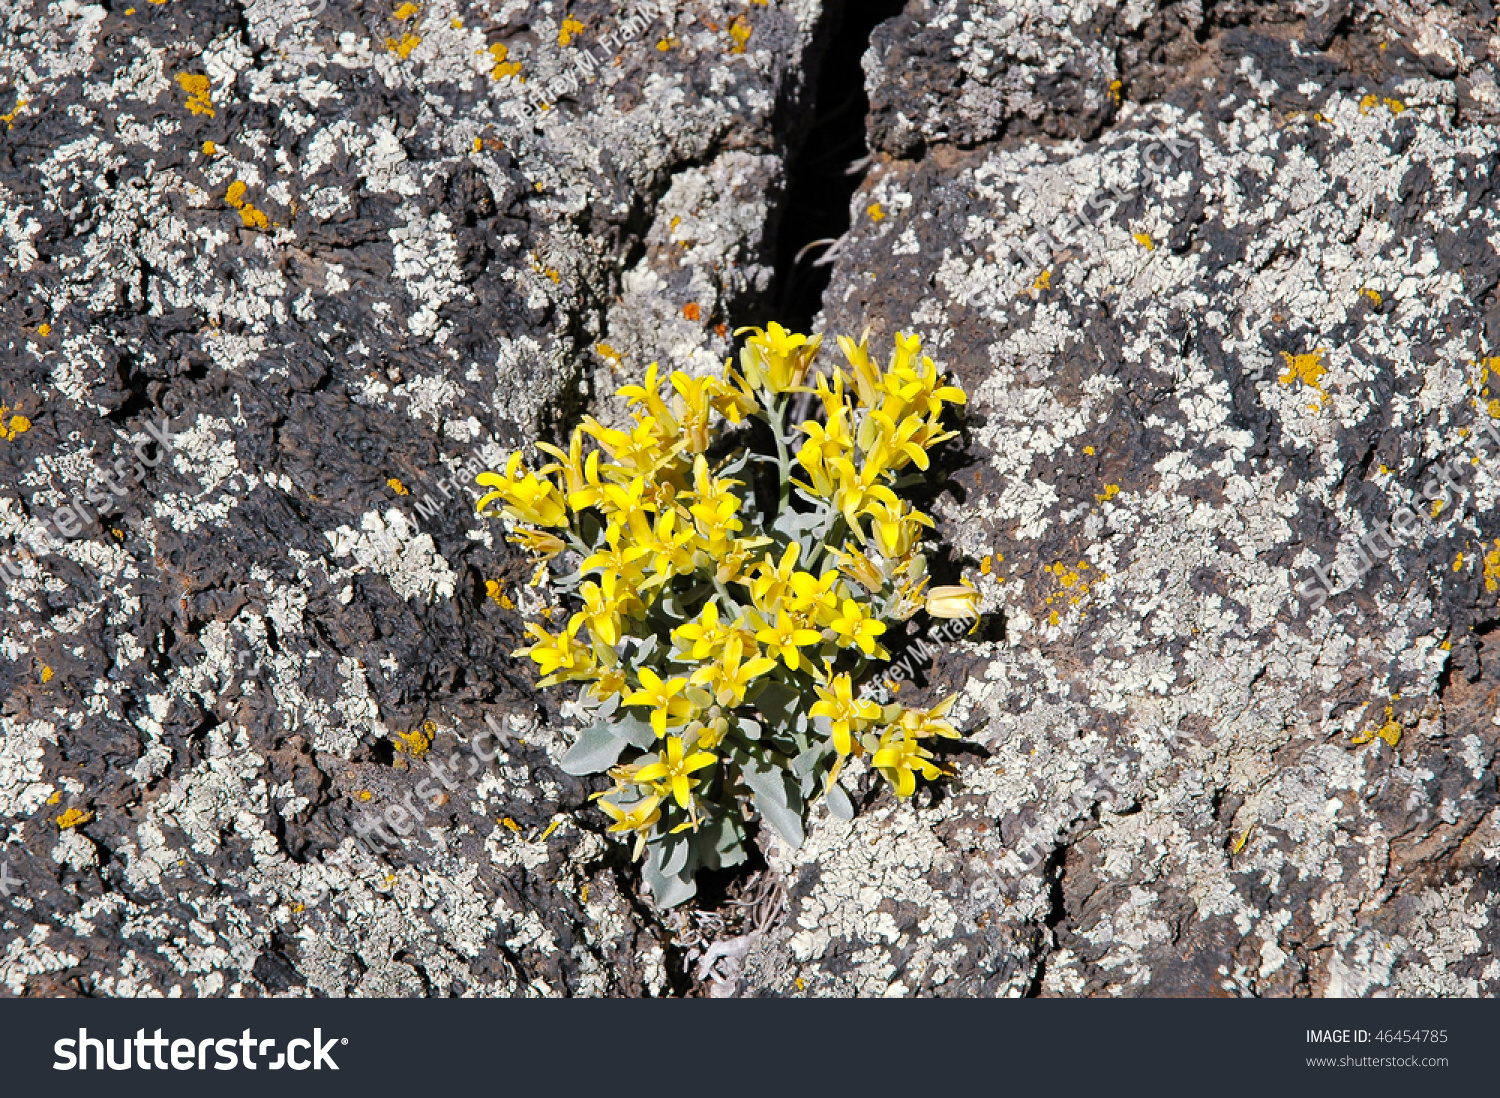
column 730, row 576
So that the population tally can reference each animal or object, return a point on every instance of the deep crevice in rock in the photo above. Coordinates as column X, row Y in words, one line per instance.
column 819, row 182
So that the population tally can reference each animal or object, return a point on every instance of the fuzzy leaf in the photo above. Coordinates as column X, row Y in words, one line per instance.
column 634, row 729
column 667, row 889
column 596, row 750
column 779, row 805
column 839, row 804
column 779, row 704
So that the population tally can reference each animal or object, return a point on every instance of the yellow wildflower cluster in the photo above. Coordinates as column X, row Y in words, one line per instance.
column 733, row 575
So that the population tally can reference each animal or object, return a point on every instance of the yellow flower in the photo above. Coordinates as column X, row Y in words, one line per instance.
column 705, row 638
column 580, row 475
column 896, row 529
column 671, row 549
column 846, row 714
column 900, row 758
column 858, row 491
column 893, row 442
column 953, row 602
column 832, row 441
column 814, row 598
column 628, row 506
column 864, row 374
column 559, row 658
column 603, row 607
column 862, row 571
column 529, row 498
column 918, row 723
column 694, row 401
column 855, row 627
column 773, row 579
column 784, row 637
column 673, row 768
column 626, row 563
column 608, row 684
column 664, row 697
column 732, row 398
column 730, row 675
column 639, row 817
column 537, row 541
column 775, row 359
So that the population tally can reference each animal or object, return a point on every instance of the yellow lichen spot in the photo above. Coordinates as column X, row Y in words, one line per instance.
column 610, row 355
column 457, row 24
column 396, row 486
column 1052, row 618
column 547, row 833
column 985, row 565
column 299, row 909
column 1492, row 568
column 493, row 589
column 740, row 30
column 1114, row 91
column 55, row 797
column 1390, row 731
column 44, row 330
column 1367, row 103
column 1307, row 369
column 510, row 823
column 1110, row 492
column 877, row 215
column 801, row 983
column 1089, row 450
column 503, row 68
column 73, row 817
column 403, row 46
column 235, row 195
column 1395, row 106
column 1373, row 295
column 14, row 427
column 9, row 119
column 405, row 12
column 569, row 30
column 129, row 11
column 1042, row 281
column 416, row 742
column 1458, row 563
column 364, row 794
column 197, row 87
column 666, row 44
column 209, row 148
column 46, row 674
column 1437, row 508
column 585, row 893
column 1145, row 241
column 479, row 144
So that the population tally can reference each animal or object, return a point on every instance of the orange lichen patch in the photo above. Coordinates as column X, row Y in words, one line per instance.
column 234, row 198
column 877, row 215
column 10, row 119
column 1492, row 568
column 1145, row 241
column 13, row 426
column 1390, row 731
column 1074, row 583
column 493, row 589
column 396, row 486
column 571, row 28
column 1307, row 369
column 403, row 46
column 691, row 311
column 197, row 87
column 503, row 68
column 405, row 12
column 46, row 674
column 73, row 817
column 721, row 330
column 740, row 30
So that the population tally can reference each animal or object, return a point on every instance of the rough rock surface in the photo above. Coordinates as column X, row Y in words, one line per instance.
column 1217, row 277
column 1211, row 346
column 354, row 255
